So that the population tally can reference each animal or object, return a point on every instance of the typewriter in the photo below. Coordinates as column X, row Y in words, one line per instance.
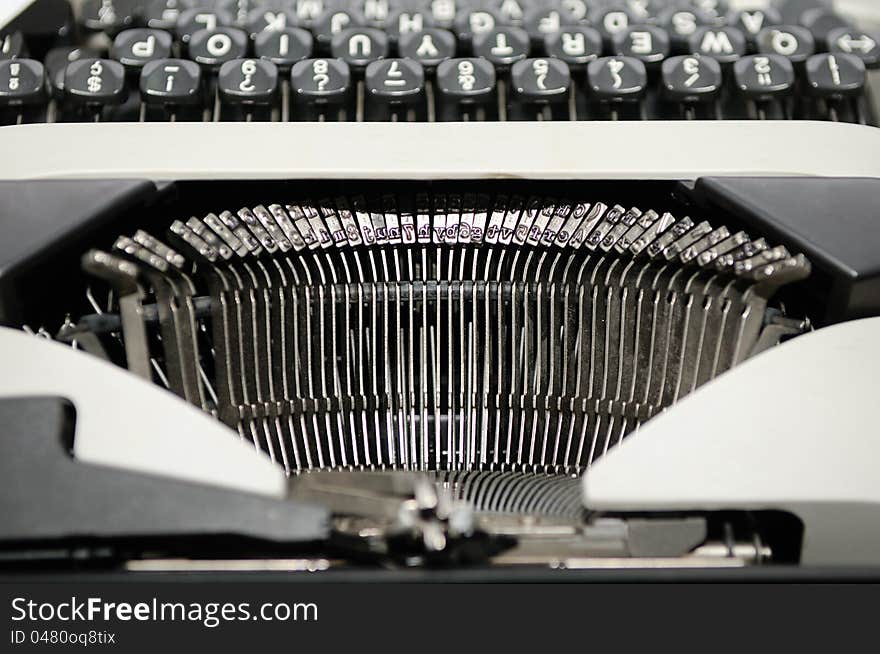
column 552, row 288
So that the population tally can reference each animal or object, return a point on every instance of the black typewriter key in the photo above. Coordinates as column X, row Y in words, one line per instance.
column 162, row 14
column 464, row 87
column 544, row 81
column 612, row 20
column 833, row 75
column 540, row 22
column 320, row 87
column 576, row 46
column 376, row 12
column 268, row 20
column 22, row 82
column 95, row 83
column 766, row 82
column 56, row 62
column 213, row 48
column 12, row 45
column 764, row 77
column 790, row 41
column 646, row 43
column 618, row 84
column 429, row 47
column 395, row 88
column 333, row 22
column 716, row 9
column 195, row 20
column 540, row 80
column 109, row 16
column 725, row 44
column 860, row 44
column 405, row 21
column 820, row 22
column 171, row 83
column 360, row 46
column 751, row 21
column 249, row 85
column 690, row 80
column 681, row 24
column 308, row 12
column 472, row 22
column 503, row 46
column 136, row 47
column 284, row 47
column 444, row 12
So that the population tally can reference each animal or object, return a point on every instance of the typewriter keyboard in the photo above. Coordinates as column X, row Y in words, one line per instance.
column 434, row 60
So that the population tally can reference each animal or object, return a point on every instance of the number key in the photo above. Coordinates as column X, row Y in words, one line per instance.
column 248, row 81
column 541, row 80
column 690, row 78
column 22, row 82
column 95, row 82
column 320, row 81
column 171, row 82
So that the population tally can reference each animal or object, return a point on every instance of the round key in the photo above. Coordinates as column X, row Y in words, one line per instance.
column 470, row 23
column 308, row 12
column 612, row 20
column 360, row 46
column 861, row 44
column 503, row 46
column 320, row 81
column 543, row 21
column 682, row 23
column 716, row 9
column 171, row 82
column 751, row 21
column 835, row 75
column 790, row 41
column 466, row 80
column 443, row 12
column 196, row 20
column 617, row 79
column 162, row 14
column 56, row 62
column 395, row 81
column 213, row 48
column 108, row 16
column 12, row 45
column 95, row 82
column 724, row 44
column 429, row 47
column 576, row 9
column 136, row 47
column 266, row 19
column 284, row 47
column 335, row 21
column 646, row 43
column 405, row 21
column 576, row 46
column 540, row 80
column 691, row 78
column 22, row 82
column 820, row 22
column 248, row 81
column 764, row 77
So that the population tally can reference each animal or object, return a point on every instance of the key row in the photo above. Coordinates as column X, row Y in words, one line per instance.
column 461, row 85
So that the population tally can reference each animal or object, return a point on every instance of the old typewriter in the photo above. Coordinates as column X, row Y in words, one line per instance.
column 522, row 288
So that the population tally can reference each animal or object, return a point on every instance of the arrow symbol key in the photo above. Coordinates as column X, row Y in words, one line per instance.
column 864, row 46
